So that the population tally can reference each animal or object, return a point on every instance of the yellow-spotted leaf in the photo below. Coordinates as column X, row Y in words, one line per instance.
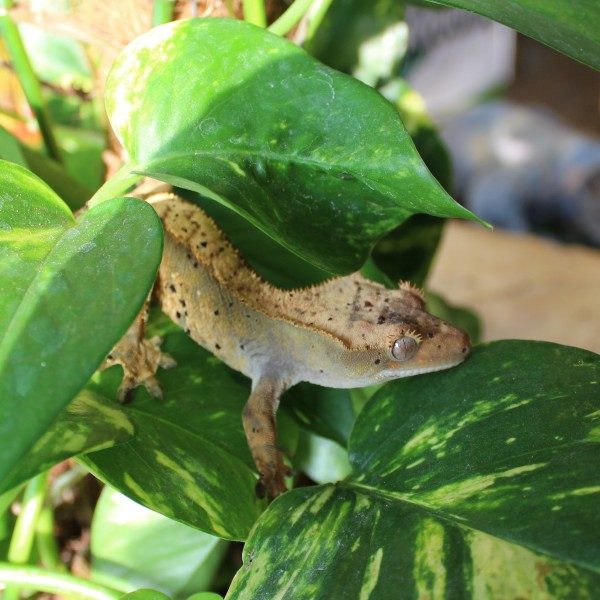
column 314, row 158
column 90, row 422
column 339, row 542
column 189, row 459
column 476, row 482
column 69, row 290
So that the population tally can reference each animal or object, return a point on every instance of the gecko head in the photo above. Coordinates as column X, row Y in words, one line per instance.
column 406, row 340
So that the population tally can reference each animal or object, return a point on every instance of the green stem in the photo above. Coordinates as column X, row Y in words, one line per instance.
column 315, row 17
column 46, row 542
column 254, row 12
column 290, row 17
column 35, row 579
column 23, row 535
column 162, row 11
column 118, row 185
column 29, row 82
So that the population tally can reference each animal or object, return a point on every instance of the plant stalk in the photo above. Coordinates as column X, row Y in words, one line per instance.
column 27, row 78
column 118, row 185
column 255, row 13
column 36, row 579
column 46, row 542
column 315, row 17
column 162, row 11
column 290, row 18
column 21, row 542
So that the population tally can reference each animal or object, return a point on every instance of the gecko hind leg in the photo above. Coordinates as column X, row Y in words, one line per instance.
column 259, row 425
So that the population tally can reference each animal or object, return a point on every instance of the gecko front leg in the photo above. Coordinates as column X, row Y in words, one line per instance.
column 139, row 357
column 259, row 425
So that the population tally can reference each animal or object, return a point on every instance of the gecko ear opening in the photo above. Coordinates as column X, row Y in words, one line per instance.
column 404, row 348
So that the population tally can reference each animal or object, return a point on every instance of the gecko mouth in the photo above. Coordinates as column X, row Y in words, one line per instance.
column 398, row 373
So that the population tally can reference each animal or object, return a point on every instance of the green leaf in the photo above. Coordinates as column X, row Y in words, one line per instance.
column 336, row 542
column 153, row 551
column 90, row 422
column 145, row 594
column 315, row 159
column 570, row 27
column 70, row 289
column 480, row 481
column 189, row 460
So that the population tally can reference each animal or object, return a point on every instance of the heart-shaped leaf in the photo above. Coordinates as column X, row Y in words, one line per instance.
column 69, row 291
column 189, row 459
column 154, row 551
column 90, row 422
column 317, row 160
column 506, row 444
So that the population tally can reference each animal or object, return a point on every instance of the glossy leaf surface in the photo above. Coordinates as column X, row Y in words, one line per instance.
column 317, row 160
column 189, row 459
column 337, row 542
column 153, row 551
column 90, row 422
column 570, row 27
column 70, row 289
column 506, row 444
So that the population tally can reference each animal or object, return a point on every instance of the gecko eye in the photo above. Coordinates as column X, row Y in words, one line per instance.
column 404, row 348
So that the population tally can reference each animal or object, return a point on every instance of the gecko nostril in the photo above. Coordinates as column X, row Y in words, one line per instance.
column 464, row 350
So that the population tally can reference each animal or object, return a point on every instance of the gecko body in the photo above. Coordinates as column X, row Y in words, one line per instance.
column 347, row 332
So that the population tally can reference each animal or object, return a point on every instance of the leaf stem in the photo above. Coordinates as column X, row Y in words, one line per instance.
column 290, row 17
column 162, row 11
column 23, row 535
column 36, row 579
column 254, row 12
column 46, row 542
column 315, row 17
column 27, row 78
column 118, row 185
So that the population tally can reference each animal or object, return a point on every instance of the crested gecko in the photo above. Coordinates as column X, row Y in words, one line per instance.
column 344, row 333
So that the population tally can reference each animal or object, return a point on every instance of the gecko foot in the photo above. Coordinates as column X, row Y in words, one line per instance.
column 140, row 360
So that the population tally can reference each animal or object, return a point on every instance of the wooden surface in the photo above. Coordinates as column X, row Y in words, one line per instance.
column 521, row 286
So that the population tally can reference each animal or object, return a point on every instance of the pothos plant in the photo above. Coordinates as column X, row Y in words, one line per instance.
column 481, row 481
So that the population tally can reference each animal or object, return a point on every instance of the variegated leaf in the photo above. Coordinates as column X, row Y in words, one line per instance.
column 340, row 542
column 477, row 482
column 189, row 459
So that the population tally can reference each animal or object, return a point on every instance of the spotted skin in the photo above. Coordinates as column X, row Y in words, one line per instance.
column 347, row 332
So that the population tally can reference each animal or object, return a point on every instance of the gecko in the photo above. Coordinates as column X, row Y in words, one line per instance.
column 347, row 332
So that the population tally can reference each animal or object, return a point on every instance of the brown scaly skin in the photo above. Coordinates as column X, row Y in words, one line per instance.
column 347, row 332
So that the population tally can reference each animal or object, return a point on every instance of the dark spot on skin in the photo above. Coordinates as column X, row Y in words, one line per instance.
column 247, row 316
column 439, row 347
column 185, row 312
column 321, row 371
column 368, row 347
column 189, row 256
column 367, row 303
column 178, row 315
column 184, row 229
column 377, row 361
column 381, row 320
column 241, row 346
column 195, row 265
column 330, row 319
column 216, row 313
column 230, row 304
column 430, row 335
column 204, row 244
column 172, row 287
column 464, row 350
column 217, row 346
column 188, row 330
column 182, row 302
column 109, row 356
column 221, row 249
column 386, row 299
